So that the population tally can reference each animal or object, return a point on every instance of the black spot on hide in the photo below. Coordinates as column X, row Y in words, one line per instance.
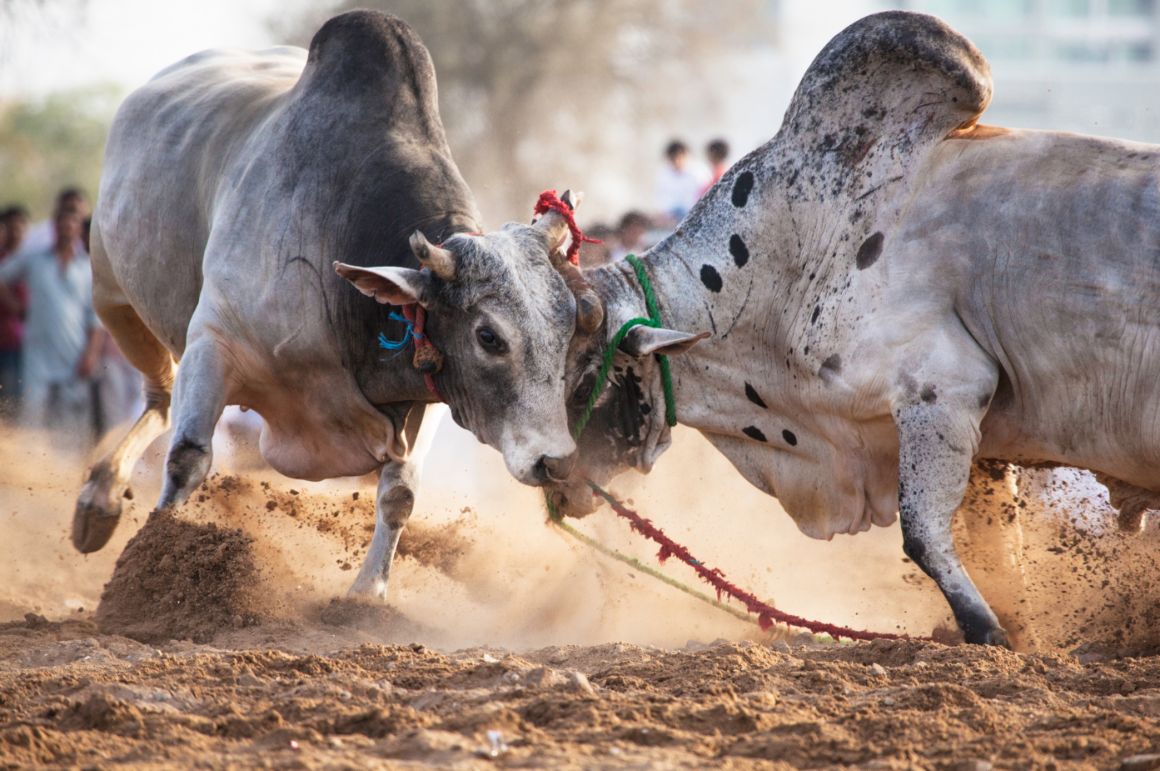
column 711, row 278
column 928, row 394
column 789, row 437
column 751, row 394
column 817, row 312
column 742, row 188
column 869, row 251
column 754, row 433
column 830, row 367
column 739, row 250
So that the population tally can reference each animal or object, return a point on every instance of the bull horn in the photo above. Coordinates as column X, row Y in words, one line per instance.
column 572, row 199
column 589, row 308
column 555, row 226
column 438, row 260
column 589, row 311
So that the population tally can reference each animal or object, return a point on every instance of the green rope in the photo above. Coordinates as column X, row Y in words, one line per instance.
column 653, row 320
column 654, row 314
column 602, row 373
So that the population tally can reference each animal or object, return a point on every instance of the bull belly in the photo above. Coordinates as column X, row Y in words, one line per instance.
column 1125, row 450
column 315, row 455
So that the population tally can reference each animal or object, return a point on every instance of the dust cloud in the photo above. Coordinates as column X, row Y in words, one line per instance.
column 479, row 566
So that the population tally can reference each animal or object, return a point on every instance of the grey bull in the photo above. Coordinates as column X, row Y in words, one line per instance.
column 896, row 295
column 233, row 181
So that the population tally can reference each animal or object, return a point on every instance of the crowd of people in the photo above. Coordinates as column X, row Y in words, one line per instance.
column 58, row 368
column 679, row 184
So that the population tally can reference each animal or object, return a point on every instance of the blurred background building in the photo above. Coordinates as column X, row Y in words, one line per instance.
column 1075, row 65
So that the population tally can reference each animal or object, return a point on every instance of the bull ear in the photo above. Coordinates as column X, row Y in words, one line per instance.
column 390, row 286
column 644, row 341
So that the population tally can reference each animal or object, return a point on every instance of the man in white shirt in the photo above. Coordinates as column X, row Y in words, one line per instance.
column 61, row 337
column 42, row 235
column 679, row 184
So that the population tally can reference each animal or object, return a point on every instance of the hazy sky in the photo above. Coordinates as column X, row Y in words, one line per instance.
column 125, row 41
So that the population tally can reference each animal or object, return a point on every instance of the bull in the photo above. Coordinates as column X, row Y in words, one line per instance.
column 898, row 295
column 232, row 182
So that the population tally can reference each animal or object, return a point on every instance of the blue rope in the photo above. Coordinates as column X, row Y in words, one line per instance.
column 397, row 345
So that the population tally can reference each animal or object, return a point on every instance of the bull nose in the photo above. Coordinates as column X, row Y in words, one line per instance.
column 550, row 469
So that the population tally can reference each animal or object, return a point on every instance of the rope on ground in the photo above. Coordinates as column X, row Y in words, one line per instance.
column 639, row 566
column 767, row 615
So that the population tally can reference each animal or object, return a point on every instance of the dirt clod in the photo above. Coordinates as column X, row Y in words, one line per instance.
column 183, row 580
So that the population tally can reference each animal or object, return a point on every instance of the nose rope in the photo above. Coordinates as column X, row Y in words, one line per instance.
column 549, row 201
column 767, row 615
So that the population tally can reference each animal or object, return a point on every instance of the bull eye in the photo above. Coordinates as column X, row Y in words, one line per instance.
column 583, row 391
column 491, row 342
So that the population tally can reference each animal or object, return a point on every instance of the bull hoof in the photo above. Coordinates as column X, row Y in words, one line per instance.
column 368, row 590
column 996, row 636
column 93, row 526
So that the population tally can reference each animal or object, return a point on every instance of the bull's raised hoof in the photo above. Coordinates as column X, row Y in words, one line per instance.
column 93, row 526
column 98, row 511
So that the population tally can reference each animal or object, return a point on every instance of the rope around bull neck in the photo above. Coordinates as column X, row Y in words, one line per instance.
column 653, row 320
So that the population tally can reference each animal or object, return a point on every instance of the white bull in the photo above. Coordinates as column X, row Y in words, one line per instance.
column 893, row 293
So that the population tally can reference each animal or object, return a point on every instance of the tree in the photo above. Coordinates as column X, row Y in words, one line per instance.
column 49, row 143
column 570, row 93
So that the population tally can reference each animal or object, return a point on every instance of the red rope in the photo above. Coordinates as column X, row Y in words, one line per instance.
column 417, row 315
column 549, row 201
column 766, row 614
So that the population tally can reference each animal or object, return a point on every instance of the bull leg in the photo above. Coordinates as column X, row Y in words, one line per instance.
column 394, row 501
column 98, row 508
column 199, row 398
column 936, row 447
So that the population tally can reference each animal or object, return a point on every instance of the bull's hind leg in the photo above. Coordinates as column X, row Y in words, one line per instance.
column 1130, row 501
column 98, row 507
column 394, row 502
column 199, row 397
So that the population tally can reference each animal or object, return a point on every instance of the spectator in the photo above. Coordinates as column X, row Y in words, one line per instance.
column 717, row 152
column 15, row 221
column 631, row 235
column 679, row 184
column 42, row 235
column 13, row 224
column 62, row 339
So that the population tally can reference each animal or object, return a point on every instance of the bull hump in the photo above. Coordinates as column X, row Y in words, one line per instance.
column 370, row 51
column 879, row 97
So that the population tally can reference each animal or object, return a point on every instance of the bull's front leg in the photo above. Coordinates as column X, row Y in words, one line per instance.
column 394, row 502
column 199, row 397
column 938, row 438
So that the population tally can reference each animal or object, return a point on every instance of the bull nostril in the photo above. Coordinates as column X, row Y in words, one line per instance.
column 540, row 470
column 559, row 469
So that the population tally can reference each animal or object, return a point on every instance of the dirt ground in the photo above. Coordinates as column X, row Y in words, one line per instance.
column 214, row 638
